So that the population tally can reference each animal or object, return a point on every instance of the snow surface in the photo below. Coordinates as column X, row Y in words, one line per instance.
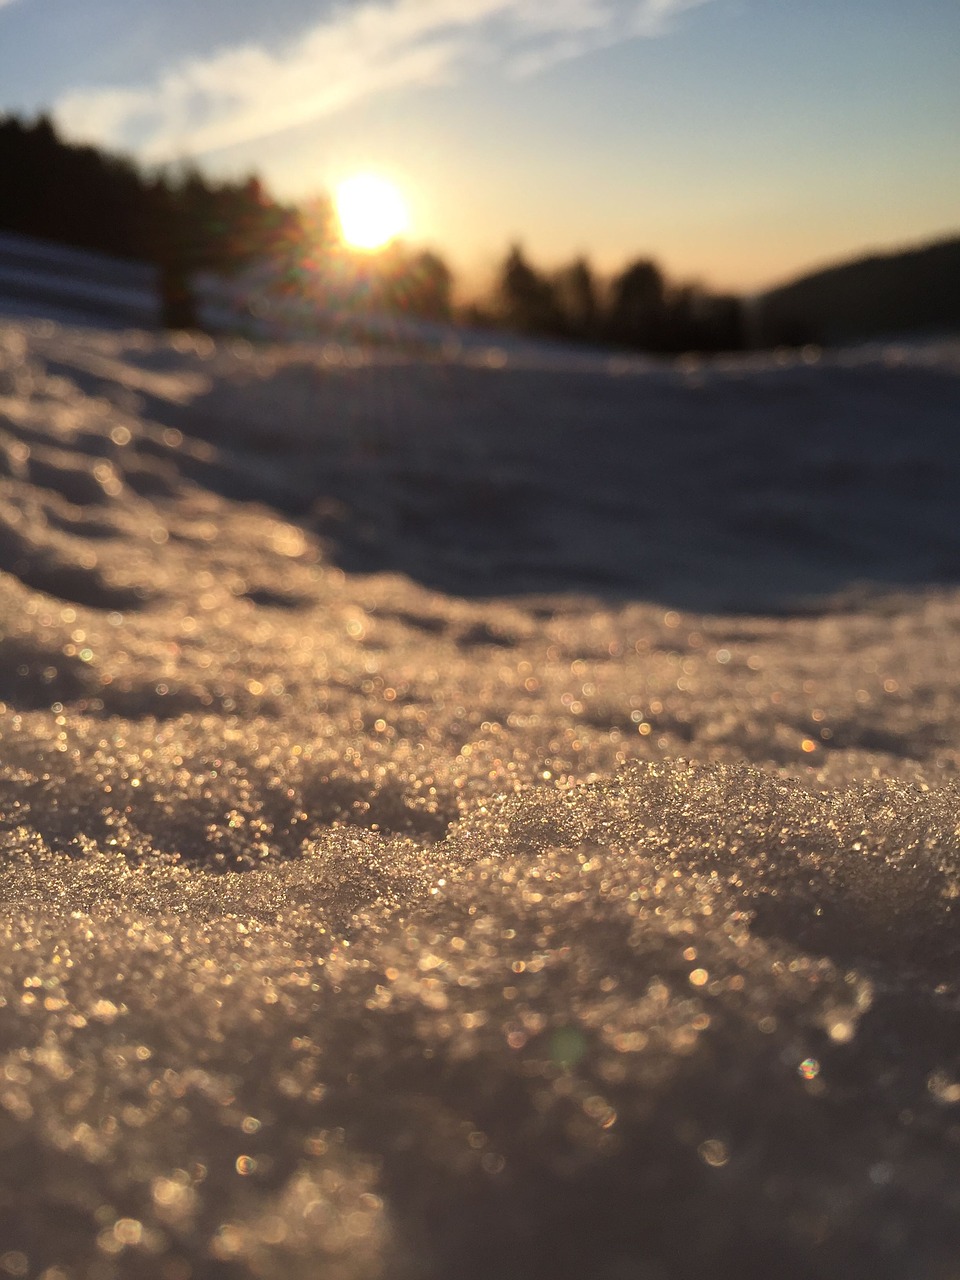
column 473, row 818
column 76, row 285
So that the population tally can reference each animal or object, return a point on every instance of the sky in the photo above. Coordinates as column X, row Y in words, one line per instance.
column 738, row 142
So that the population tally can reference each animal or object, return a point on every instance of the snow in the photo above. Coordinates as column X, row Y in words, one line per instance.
column 477, row 816
column 43, row 280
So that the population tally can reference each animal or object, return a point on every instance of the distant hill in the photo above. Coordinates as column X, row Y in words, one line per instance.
column 911, row 291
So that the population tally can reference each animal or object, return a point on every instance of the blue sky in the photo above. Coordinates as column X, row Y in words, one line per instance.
column 735, row 140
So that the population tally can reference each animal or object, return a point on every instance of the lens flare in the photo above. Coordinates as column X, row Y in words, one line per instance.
column 371, row 211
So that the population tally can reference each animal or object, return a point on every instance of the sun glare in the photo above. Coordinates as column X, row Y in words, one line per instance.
column 371, row 211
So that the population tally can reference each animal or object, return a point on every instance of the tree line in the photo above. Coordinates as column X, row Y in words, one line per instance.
column 639, row 309
column 185, row 223
column 180, row 222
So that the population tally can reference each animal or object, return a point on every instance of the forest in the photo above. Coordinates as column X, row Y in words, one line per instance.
column 185, row 223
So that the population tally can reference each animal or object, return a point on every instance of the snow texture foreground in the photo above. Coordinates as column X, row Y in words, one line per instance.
column 466, row 819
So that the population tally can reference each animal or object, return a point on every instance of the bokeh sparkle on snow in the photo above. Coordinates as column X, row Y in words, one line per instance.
column 460, row 818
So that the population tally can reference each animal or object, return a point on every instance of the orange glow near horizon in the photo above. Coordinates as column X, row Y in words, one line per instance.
column 371, row 211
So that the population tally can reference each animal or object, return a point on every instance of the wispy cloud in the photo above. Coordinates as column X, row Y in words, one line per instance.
column 358, row 52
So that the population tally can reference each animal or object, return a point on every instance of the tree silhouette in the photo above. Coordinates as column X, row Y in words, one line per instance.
column 638, row 306
column 527, row 298
column 425, row 286
column 576, row 294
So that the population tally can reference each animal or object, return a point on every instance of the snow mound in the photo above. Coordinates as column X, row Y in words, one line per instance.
column 463, row 818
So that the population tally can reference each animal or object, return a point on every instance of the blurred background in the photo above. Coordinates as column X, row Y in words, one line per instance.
column 652, row 175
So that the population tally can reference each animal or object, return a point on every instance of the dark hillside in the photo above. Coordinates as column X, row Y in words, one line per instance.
column 916, row 291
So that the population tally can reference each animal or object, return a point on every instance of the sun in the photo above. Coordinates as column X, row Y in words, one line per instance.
column 371, row 211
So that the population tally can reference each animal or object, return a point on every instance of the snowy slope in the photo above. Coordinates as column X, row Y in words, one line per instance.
column 42, row 279
column 476, row 818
